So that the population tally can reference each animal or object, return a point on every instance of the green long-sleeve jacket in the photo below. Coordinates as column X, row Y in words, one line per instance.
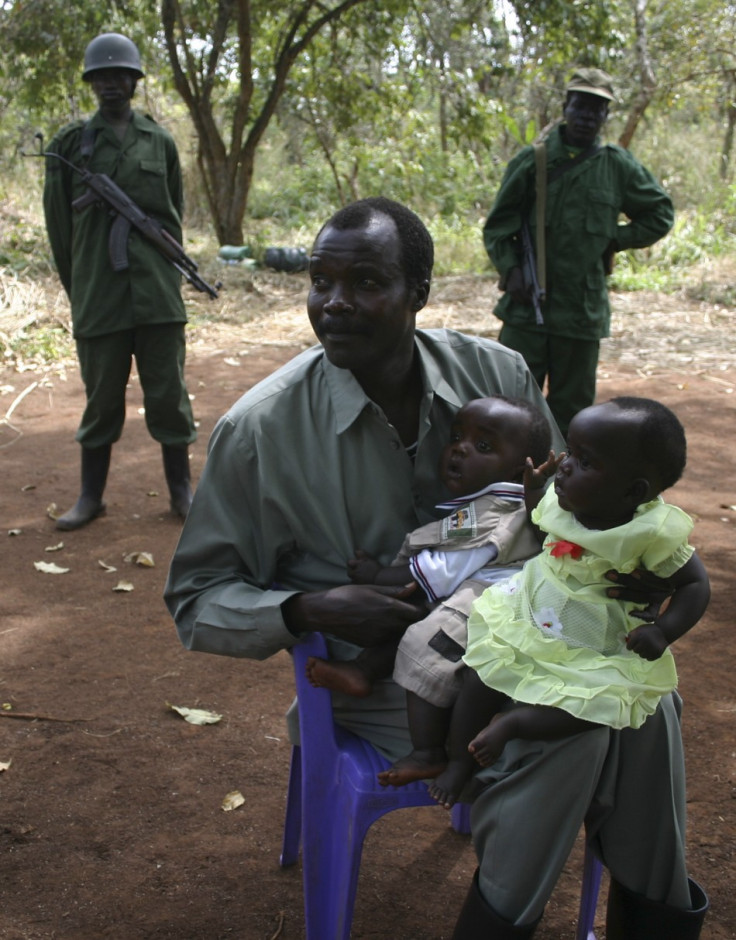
column 582, row 221
column 145, row 165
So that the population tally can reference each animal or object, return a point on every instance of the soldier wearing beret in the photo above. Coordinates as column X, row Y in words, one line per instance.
column 585, row 189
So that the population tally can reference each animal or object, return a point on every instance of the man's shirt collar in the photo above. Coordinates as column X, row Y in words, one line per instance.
column 349, row 400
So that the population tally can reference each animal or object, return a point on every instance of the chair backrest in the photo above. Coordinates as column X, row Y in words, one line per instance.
column 325, row 744
column 316, row 725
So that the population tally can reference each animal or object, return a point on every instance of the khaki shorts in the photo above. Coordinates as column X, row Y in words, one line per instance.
column 429, row 658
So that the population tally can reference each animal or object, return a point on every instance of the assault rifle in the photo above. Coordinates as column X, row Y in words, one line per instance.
column 101, row 190
column 529, row 271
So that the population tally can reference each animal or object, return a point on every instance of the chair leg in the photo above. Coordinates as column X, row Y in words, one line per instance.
column 460, row 816
column 331, row 861
column 293, row 819
column 592, row 871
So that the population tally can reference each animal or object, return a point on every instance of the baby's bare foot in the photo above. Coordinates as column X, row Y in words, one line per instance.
column 419, row 765
column 486, row 747
column 448, row 786
column 338, row 676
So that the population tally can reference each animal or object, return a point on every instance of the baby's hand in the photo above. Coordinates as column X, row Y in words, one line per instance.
column 363, row 569
column 648, row 641
column 536, row 477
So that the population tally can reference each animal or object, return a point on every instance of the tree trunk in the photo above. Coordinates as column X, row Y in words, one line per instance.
column 227, row 172
column 646, row 73
column 730, row 125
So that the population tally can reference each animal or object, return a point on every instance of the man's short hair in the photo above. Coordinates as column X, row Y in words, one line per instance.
column 417, row 247
column 660, row 438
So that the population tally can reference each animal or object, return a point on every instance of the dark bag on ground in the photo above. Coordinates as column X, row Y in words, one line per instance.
column 286, row 259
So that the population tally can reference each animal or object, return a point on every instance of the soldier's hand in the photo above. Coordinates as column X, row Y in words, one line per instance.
column 515, row 286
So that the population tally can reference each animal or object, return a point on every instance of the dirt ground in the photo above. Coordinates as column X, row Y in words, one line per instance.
column 110, row 809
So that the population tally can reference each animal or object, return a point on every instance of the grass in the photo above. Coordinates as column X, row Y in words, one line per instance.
column 698, row 256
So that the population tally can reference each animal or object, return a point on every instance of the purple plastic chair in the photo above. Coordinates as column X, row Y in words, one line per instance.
column 592, row 871
column 334, row 797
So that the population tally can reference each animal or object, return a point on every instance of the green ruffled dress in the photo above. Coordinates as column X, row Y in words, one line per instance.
column 550, row 636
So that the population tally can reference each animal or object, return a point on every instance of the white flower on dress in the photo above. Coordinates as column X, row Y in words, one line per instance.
column 547, row 621
column 509, row 586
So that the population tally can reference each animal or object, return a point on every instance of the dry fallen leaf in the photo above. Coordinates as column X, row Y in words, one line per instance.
column 52, row 511
column 104, row 564
column 122, row 586
column 54, row 548
column 144, row 559
column 49, row 567
column 4, row 765
column 195, row 716
column 15, row 531
column 233, row 800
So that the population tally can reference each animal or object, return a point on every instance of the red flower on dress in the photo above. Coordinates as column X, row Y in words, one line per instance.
column 566, row 548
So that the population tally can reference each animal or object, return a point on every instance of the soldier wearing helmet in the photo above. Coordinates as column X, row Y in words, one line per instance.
column 117, row 315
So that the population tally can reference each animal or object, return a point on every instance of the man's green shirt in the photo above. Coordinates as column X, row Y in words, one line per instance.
column 303, row 470
column 145, row 165
column 582, row 220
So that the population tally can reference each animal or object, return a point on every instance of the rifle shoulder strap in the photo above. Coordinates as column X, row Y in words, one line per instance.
column 87, row 142
column 563, row 168
column 540, row 165
column 542, row 178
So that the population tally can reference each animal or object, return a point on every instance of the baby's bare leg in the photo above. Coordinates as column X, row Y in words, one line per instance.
column 428, row 726
column 355, row 676
column 528, row 722
column 474, row 707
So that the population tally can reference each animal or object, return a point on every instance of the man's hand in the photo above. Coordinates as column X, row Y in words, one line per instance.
column 641, row 587
column 367, row 615
column 648, row 641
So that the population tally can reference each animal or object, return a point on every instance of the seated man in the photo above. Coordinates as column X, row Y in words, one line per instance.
column 339, row 448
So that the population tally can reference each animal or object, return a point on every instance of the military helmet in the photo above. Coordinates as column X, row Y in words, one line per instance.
column 111, row 51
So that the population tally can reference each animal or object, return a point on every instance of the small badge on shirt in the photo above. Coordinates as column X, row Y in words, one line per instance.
column 461, row 524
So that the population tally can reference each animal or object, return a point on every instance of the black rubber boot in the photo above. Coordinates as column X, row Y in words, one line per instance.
column 95, row 465
column 478, row 920
column 631, row 916
column 178, row 478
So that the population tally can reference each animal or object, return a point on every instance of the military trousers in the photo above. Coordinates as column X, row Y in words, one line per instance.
column 567, row 365
column 105, row 364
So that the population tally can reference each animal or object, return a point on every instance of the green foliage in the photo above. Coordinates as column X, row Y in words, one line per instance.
column 48, row 39
column 39, row 345
column 424, row 101
column 458, row 245
column 695, row 238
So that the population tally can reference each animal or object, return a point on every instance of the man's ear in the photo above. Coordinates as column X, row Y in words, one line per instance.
column 421, row 296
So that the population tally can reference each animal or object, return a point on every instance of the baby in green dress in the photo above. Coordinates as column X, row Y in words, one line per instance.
column 549, row 640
